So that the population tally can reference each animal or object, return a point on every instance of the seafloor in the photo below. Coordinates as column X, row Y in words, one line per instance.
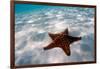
column 32, row 24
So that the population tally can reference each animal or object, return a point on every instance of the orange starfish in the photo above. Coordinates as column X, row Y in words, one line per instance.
column 62, row 40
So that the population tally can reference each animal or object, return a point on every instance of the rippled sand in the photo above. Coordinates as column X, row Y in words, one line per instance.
column 31, row 35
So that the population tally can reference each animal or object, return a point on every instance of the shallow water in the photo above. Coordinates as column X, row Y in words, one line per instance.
column 31, row 34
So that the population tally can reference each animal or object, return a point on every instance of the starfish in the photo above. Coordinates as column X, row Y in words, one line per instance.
column 62, row 40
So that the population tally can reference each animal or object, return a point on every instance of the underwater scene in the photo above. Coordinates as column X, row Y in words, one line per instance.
column 34, row 22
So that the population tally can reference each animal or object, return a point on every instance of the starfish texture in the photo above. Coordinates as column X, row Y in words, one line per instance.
column 63, row 41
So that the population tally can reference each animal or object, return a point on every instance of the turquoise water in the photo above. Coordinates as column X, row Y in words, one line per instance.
column 32, row 24
column 19, row 8
column 22, row 8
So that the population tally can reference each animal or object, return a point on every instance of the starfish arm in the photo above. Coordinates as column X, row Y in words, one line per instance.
column 66, row 49
column 73, row 39
column 53, row 36
column 65, row 31
column 50, row 46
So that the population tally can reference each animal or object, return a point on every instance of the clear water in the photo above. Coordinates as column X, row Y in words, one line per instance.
column 32, row 24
